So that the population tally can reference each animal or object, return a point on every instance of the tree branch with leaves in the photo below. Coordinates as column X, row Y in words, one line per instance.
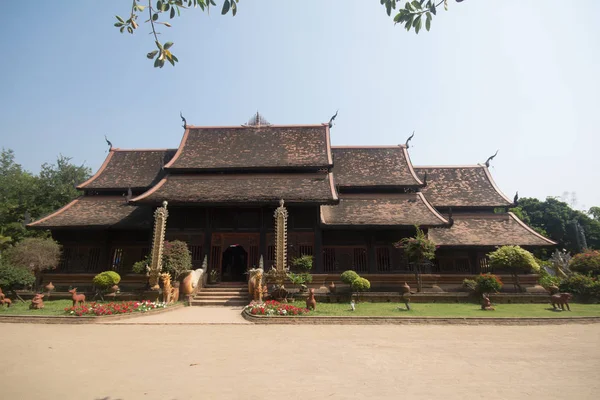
column 411, row 15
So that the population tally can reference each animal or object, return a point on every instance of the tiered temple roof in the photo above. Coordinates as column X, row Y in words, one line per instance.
column 382, row 210
column 243, row 189
column 135, row 169
column 370, row 167
column 488, row 230
column 462, row 186
column 356, row 187
column 247, row 147
column 98, row 212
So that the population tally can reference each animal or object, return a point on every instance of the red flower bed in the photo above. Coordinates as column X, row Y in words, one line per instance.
column 112, row 308
column 273, row 307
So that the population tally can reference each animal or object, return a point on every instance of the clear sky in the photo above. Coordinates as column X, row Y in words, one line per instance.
column 521, row 76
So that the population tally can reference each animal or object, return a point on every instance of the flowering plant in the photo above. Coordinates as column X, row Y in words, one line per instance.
column 417, row 248
column 273, row 307
column 112, row 308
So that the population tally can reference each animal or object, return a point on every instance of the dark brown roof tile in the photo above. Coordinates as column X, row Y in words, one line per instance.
column 123, row 169
column 267, row 147
column 242, row 188
column 488, row 230
column 464, row 186
column 373, row 167
column 382, row 210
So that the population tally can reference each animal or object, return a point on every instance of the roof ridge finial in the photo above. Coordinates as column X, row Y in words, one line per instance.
column 257, row 120
column 409, row 139
column 330, row 123
column 183, row 120
column 490, row 158
column 109, row 143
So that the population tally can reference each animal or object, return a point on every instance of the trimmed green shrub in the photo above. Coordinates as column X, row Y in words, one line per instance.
column 140, row 266
column 360, row 285
column 583, row 287
column 303, row 263
column 349, row 276
column 487, row 283
column 514, row 259
column 12, row 278
column 469, row 284
column 177, row 259
column 106, row 279
column 587, row 262
column 547, row 280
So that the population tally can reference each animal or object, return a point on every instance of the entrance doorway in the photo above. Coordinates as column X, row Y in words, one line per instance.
column 234, row 264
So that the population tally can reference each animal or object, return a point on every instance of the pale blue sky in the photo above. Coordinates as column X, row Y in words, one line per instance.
column 522, row 76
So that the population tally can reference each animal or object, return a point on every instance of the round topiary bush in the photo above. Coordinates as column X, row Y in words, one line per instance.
column 515, row 260
column 349, row 277
column 487, row 283
column 586, row 263
column 106, row 279
column 360, row 285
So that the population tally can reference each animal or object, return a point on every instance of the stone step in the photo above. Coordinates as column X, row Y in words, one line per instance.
column 221, row 297
column 223, row 290
column 229, row 302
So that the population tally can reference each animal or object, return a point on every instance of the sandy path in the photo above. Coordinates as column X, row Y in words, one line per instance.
column 299, row 362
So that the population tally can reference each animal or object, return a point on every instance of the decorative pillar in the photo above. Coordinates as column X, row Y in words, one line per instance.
column 160, row 224
column 281, row 216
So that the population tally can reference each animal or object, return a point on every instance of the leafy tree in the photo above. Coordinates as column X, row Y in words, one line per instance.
column 586, row 263
column 36, row 255
column 13, row 278
column 414, row 14
column 303, row 263
column 57, row 183
column 418, row 249
column 594, row 212
column 360, row 285
column 25, row 197
column 560, row 222
column 514, row 259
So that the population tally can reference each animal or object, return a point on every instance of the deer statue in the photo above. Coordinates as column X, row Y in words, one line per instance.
column 77, row 298
column 37, row 303
column 311, row 302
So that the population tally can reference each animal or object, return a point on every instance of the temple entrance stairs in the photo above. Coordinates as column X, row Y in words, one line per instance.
column 222, row 294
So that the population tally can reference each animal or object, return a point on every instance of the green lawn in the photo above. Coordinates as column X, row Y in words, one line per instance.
column 451, row 310
column 52, row 307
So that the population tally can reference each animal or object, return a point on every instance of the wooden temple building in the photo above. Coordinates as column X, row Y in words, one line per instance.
column 346, row 205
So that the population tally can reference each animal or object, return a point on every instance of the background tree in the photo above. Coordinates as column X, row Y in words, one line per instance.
column 36, row 255
column 514, row 259
column 557, row 220
column 13, row 278
column 594, row 212
column 177, row 259
column 411, row 14
column 25, row 197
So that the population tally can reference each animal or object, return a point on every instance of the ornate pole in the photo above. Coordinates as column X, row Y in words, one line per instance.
column 281, row 216
column 160, row 224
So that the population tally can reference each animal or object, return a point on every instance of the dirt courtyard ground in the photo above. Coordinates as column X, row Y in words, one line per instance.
column 299, row 362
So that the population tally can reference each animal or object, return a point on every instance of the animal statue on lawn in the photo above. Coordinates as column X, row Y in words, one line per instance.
column 168, row 290
column 5, row 300
column 77, row 298
column 486, row 304
column 311, row 302
column 255, row 284
column 561, row 300
column 37, row 303
column 406, row 295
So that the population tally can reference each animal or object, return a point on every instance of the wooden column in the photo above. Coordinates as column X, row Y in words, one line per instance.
column 371, row 257
column 318, row 247
column 207, row 233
